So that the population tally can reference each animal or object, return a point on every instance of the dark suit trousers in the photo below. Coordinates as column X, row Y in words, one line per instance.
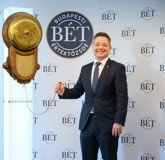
column 92, row 139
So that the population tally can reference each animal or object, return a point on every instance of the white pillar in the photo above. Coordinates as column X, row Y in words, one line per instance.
column 18, row 128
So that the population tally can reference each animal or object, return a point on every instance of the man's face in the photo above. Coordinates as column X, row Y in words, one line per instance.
column 101, row 48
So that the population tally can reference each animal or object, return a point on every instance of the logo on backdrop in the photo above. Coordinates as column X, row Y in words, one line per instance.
column 35, row 120
column 113, row 52
column 69, row 34
column 147, row 86
column 128, row 33
column 162, row 67
column 69, row 84
column 128, row 139
column 35, row 85
column 50, row 68
column 36, row 15
column 147, row 13
column 109, row 16
column 130, row 68
column 162, row 30
column 162, row 105
column 131, row 104
column 162, row 142
column 49, row 103
column 147, row 123
column 69, row 154
column 147, row 156
column 147, row 50
column 49, row 137
column 69, row 120
column 34, row 154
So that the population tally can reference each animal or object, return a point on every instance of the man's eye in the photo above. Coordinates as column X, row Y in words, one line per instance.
column 105, row 45
column 96, row 44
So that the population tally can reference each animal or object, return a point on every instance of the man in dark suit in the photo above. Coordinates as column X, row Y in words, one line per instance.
column 104, row 111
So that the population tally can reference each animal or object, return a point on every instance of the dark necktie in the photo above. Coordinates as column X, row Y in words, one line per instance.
column 95, row 76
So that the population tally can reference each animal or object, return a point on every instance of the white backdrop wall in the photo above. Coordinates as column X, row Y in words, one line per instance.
column 137, row 29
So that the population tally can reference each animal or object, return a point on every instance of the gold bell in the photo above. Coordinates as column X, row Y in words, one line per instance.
column 22, row 34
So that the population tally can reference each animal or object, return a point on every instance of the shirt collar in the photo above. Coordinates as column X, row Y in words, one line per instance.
column 103, row 61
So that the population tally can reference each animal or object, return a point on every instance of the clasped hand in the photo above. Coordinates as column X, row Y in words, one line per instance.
column 59, row 87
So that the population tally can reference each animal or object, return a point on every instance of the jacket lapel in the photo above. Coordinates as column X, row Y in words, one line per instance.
column 88, row 75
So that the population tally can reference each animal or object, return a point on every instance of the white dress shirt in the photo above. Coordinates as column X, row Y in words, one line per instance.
column 101, row 66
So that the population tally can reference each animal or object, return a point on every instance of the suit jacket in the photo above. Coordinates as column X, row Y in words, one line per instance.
column 109, row 100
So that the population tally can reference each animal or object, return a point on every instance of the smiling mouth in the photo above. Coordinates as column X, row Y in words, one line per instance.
column 100, row 50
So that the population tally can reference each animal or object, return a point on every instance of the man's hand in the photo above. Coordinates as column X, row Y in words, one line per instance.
column 59, row 87
column 116, row 129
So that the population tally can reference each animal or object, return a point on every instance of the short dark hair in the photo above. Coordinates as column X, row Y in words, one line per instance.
column 103, row 34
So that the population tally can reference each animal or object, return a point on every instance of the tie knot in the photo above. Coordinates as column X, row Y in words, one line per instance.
column 97, row 63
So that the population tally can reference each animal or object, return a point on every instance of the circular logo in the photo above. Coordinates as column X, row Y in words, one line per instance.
column 128, row 139
column 130, row 68
column 162, row 67
column 69, row 120
column 109, row 16
column 147, row 123
column 147, row 50
column 69, row 84
column 49, row 137
column 147, row 156
column 128, row 33
column 69, row 154
column 50, row 68
column 162, row 30
column 131, row 104
column 69, row 34
column 162, row 142
column 162, row 105
column 148, row 13
column 147, row 86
